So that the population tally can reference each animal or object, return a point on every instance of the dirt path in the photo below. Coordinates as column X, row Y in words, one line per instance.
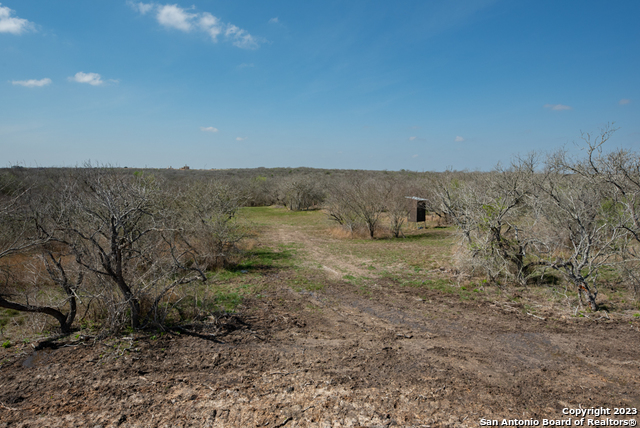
column 316, row 251
column 341, row 357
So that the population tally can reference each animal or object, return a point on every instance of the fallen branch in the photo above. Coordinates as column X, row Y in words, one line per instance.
column 7, row 407
column 284, row 423
column 535, row 316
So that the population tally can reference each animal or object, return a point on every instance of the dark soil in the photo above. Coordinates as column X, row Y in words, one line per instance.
column 341, row 357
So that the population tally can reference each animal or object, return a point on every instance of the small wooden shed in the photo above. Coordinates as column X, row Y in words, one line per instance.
column 417, row 209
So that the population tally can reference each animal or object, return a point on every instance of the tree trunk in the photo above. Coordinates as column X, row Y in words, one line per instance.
column 583, row 289
column 134, row 304
column 64, row 320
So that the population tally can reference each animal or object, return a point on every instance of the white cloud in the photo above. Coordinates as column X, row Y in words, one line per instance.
column 241, row 138
column 557, row 107
column 240, row 37
column 209, row 129
column 93, row 79
column 173, row 16
column 274, row 20
column 13, row 25
column 211, row 25
column 170, row 15
column 458, row 139
column 32, row 82
column 143, row 8
column 412, row 138
column 624, row 101
column 414, row 156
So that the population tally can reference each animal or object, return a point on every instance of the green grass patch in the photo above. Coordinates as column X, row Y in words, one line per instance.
column 271, row 216
column 301, row 281
column 257, row 260
column 228, row 301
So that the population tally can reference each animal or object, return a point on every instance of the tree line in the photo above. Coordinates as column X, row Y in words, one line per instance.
column 126, row 239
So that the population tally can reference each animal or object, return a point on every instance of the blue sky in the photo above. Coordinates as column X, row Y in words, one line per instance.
column 418, row 85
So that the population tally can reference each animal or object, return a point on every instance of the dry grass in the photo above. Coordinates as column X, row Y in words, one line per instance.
column 338, row 232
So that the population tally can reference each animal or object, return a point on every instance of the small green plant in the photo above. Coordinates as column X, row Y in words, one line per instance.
column 636, row 315
column 6, row 344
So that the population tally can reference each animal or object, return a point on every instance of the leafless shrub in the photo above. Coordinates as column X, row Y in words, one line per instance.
column 361, row 201
column 301, row 193
column 19, row 239
column 557, row 214
column 120, row 228
column 582, row 239
column 208, row 216
column 617, row 175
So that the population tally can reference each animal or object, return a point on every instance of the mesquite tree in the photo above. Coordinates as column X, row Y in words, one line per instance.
column 618, row 174
column 301, row 193
column 360, row 201
column 21, row 216
column 533, row 217
column 581, row 239
column 208, row 213
column 121, row 229
column 494, row 214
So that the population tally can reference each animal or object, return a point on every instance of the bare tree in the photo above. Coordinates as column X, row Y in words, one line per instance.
column 581, row 238
column 301, row 193
column 618, row 174
column 495, row 216
column 362, row 200
column 19, row 234
column 518, row 220
column 397, row 204
column 119, row 228
column 340, row 207
column 208, row 216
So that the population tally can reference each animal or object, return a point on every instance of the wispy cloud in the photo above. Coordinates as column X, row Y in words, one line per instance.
column 414, row 156
column 557, row 107
column 32, row 83
column 143, row 8
column 624, row 101
column 458, row 139
column 274, row 20
column 412, row 138
column 13, row 24
column 209, row 129
column 93, row 79
column 178, row 18
column 241, row 138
